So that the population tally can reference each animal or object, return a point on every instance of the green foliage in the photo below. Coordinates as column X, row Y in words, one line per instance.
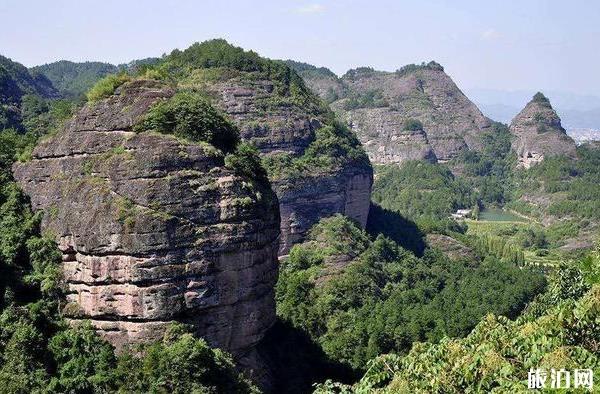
column 423, row 192
column 401, row 230
column 179, row 364
column 106, row 86
column 219, row 53
column 541, row 99
column 489, row 171
column 410, row 68
column 368, row 99
column 71, row 79
column 245, row 161
column 85, row 362
column 308, row 69
column 413, row 125
column 333, row 148
column 571, row 186
column 358, row 298
column 500, row 248
column 557, row 330
column 358, row 73
column 190, row 115
column 16, row 81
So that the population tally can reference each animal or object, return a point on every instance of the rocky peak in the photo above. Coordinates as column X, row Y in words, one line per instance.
column 378, row 105
column 538, row 133
column 155, row 228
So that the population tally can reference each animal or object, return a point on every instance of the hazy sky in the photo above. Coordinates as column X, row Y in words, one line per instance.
column 526, row 44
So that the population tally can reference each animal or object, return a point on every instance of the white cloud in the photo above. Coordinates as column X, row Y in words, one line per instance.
column 490, row 35
column 311, row 9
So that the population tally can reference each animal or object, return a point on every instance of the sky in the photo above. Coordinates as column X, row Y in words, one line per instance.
column 483, row 44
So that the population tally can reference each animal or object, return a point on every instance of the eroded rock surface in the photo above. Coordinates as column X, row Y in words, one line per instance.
column 379, row 104
column 277, row 126
column 538, row 133
column 154, row 229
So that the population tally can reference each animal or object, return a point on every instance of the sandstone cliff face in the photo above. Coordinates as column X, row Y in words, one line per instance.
column 276, row 126
column 305, row 202
column 538, row 133
column 379, row 104
column 451, row 122
column 154, row 229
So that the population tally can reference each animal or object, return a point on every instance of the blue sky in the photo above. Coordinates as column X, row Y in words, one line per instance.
column 510, row 45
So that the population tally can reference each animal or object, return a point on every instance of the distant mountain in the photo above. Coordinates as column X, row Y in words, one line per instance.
column 576, row 110
column 538, row 133
column 17, row 82
column 416, row 112
column 320, row 80
column 73, row 79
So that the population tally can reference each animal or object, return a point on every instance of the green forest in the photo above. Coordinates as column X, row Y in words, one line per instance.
column 412, row 300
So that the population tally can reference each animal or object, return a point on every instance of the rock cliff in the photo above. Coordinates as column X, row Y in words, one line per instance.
column 416, row 112
column 154, row 228
column 289, row 130
column 284, row 120
column 538, row 133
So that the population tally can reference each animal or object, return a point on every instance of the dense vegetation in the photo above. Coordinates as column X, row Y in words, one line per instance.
column 409, row 68
column 16, row 83
column 489, row 170
column 559, row 329
column 369, row 99
column 358, row 297
column 573, row 186
column 421, row 191
column 71, row 79
column 307, row 70
column 334, row 147
column 190, row 115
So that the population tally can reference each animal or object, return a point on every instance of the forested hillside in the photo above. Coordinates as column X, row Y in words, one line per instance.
column 559, row 329
column 206, row 222
column 359, row 297
column 71, row 79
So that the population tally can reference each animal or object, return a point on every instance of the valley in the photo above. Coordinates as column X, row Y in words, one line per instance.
column 217, row 221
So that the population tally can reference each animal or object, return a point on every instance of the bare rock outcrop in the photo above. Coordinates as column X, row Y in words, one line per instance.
column 276, row 126
column 155, row 229
column 538, row 133
column 381, row 106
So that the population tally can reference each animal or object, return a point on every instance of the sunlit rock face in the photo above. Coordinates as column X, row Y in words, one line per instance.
column 378, row 106
column 154, row 229
column 538, row 133
column 290, row 128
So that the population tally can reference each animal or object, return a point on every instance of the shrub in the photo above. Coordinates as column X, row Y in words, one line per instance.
column 245, row 161
column 358, row 298
column 413, row 125
column 106, row 86
column 540, row 98
column 191, row 116
column 181, row 363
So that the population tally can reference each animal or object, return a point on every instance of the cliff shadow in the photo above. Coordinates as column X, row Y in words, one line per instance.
column 295, row 362
column 393, row 225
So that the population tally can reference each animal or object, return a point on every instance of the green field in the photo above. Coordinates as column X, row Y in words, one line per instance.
column 513, row 231
column 499, row 215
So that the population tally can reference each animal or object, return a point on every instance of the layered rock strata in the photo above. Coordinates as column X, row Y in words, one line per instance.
column 275, row 126
column 379, row 105
column 154, row 229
